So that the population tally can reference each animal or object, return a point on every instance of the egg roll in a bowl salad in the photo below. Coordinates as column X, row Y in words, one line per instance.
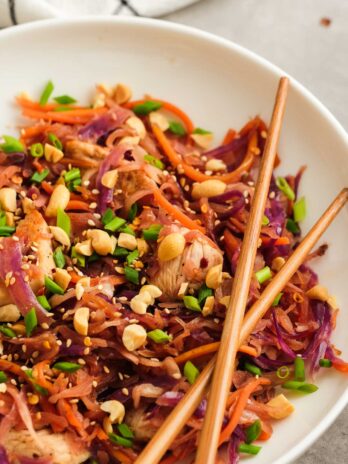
column 120, row 232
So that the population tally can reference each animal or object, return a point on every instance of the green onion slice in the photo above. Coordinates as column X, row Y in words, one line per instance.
column 249, row 449
column 283, row 372
column 63, row 221
column 277, row 299
column 325, row 362
column 40, row 176
column 55, row 141
column 3, row 377
column 132, row 212
column 253, row 431
column 154, row 161
column 44, row 302
column 67, row 367
column 37, row 150
column 132, row 256
column 147, row 107
column 265, row 220
column 159, row 336
column 152, row 232
column 177, row 128
column 11, row 144
column 120, row 252
column 284, row 187
column 300, row 209
column 80, row 259
column 292, row 226
column 203, row 294
column 125, row 431
column 252, row 368
column 192, row 303
column 263, row 274
column 73, row 174
column 7, row 331
column 299, row 369
column 302, row 387
column 30, row 321
column 47, row 92
column 64, row 100
column 58, row 257
column 191, row 372
column 107, row 216
column 126, row 442
column 199, row 130
column 132, row 275
column 53, row 287
column 115, row 224
column 6, row 231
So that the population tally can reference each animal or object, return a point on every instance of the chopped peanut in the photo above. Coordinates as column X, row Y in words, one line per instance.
column 60, row 236
column 208, row 306
column 115, row 409
column 127, row 241
column 134, row 336
column 215, row 165
column 62, row 278
column 102, row 243
column 143, row 247
column 214, row 276
column 8, row 199
column 280, row 407
column 81, row 318
column 138, row 125
column 159, row 119
column 278, row 263
column 140, row 302
column 109, row 179
column 202, row 140
column 53, row 154
column 122, row 94
column 84, row 248
column 9, row 313
column 59, row 200
column 171, row 246
column 208, row 188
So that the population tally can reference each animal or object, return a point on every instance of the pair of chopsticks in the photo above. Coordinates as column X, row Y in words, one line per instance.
column 237, row 328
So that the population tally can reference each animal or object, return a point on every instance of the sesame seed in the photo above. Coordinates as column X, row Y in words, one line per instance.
column 81, row 361
column 24, row 348
column 216, row 320
column 13, row 382
column 123, row 299
column 120, row 375
column 26, row 278
column 94, row 383
column 74, row 401
column 12, row 280
column 95, row 192
column 106, row 369
column 91, row 223
column 272, row 195
column 125, row 391
column 59, row 342
column 86, row 183
column 35, row 354
column 45, row 326
column 93, row 205
column 15, row 238
column 68, row 342
column 86, row 351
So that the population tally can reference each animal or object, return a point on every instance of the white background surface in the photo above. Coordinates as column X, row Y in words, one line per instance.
column 288, row 33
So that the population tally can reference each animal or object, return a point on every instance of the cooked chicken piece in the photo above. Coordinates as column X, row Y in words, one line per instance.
column 62, row 448
column 86, row 151
column 140, row 425
column 33, row 231
column 199, row 255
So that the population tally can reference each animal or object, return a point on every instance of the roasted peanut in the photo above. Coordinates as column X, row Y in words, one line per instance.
column 171, row 246
column 208, row 188
column 59, row 200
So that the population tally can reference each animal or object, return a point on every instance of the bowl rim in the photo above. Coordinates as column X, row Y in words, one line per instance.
column 188, row 31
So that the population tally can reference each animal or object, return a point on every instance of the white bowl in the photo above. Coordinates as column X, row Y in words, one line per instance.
column 220, row 85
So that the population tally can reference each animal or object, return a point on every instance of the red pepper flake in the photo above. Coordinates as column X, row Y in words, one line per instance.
column 325, row 22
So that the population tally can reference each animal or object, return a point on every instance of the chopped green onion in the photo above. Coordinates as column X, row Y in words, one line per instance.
column 325, row 362
column 191, row 372
column 265, row 220
column 154, row 161
column 107, row 216
column 80, row 259
column 147, row 107
column 283, row 372
column 37, row 150
column 249, row 449
column 299, row 369
column 132, row 275
column 252, row 368
column 43, row 391
column 300, row 386
column 132, row 212
column 125, row 431
column 94, row 257
column 300, row 209
column 2, row 218
column 53, row 287
column 55, row 141
column 115, row 224
column 11, row 144
column 47, row 92
column 199, row 130
column 292, row 226
column 63, row 221
column 40, row 176
column 284, row 187
column 126, row 442
column 152, row 232
column 120, row 252
column 203, row 294
column 3, row 377
column 159, row 336
column 7, row 331
column 30, row 321
column 67, row 367
column 127, row 230
column 192, row 303
column 253, row 431
column 64, row 100
column 73, row 174
column 177, row 128
column 277, row 299
column 6, row 231
column 263, row 274
column 132, row 256
column 59, row 257
column 44, row 302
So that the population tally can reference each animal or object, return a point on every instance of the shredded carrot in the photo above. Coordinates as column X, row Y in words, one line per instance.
column 13, row 368
column 37, row 165
column 33, row 105
column 70, row 416
column 340, row 366
column 101, row 434
column 29, row 132
column 39, row 375
column 77, row 205
column 278, row 241
column 81, row 163
column 162, row 202
column 232, row 243
column 210, row 348
column 170, row 107
column 243, row 397
column 199, row 176
column 78, row 116
column 48, row 188
column 121, row 456
column 230, row 135
column 264, row 435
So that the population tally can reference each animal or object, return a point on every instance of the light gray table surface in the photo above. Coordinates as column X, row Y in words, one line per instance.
column 289, row 34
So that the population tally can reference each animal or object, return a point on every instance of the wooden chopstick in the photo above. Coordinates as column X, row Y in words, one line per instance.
column 177, row 419
column 226, row 356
